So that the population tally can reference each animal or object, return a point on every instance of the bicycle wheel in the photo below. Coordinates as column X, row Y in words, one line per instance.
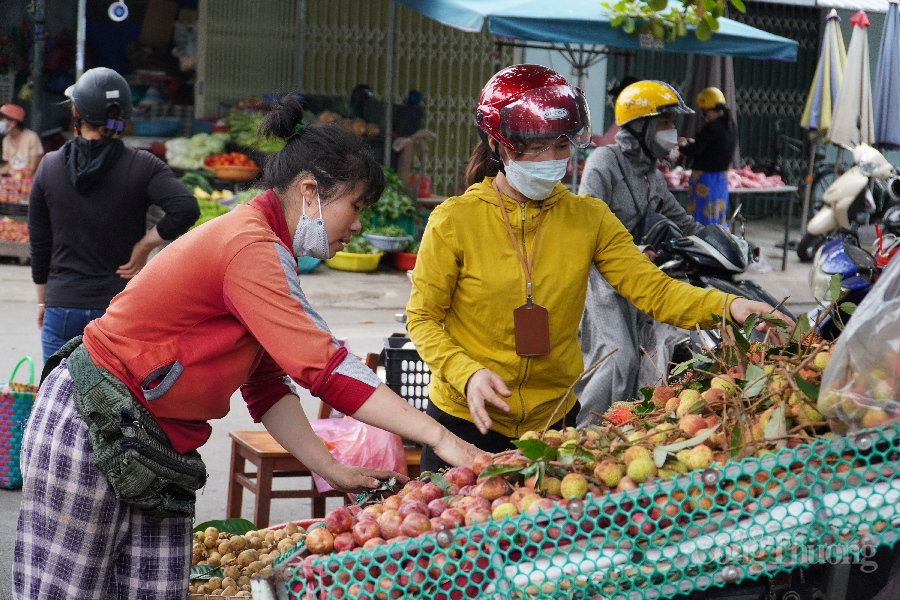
column 821, row 181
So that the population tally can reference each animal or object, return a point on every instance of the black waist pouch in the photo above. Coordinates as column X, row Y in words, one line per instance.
column 130, row 449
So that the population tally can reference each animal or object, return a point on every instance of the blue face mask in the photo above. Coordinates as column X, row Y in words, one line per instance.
column 311, row 239
column 535, row 179
column 4, row 127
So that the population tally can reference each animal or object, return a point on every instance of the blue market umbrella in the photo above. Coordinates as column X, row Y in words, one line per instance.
column 886, row 101
column 585, row 22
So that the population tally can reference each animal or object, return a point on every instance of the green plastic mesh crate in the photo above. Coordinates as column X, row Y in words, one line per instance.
column 835, row 500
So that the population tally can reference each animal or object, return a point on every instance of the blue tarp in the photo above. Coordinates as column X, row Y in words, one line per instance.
column 585, row 22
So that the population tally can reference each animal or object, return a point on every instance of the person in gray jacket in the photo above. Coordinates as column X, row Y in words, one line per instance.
column 624, row 175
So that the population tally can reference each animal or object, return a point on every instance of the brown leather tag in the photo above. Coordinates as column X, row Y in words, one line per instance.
column 532, row 326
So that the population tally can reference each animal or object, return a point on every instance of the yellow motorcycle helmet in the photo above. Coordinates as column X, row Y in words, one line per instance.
column 710, row 98
column 648, row 99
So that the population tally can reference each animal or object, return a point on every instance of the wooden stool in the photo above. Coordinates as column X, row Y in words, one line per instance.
column 271, row 460
column 413, row 460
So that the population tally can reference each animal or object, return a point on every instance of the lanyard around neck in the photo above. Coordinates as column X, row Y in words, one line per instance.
column 526, row 265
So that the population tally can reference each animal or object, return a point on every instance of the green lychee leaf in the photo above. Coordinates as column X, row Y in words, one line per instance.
column 734, row 447
column 660, row 452
column 834, row 287
column 500, row 469
column 566, row 456
column 779, row 324
column 810, row 390
column 583, row 455
column 235, row 526
column 696, row 359
column 804, row 324
column 739, row 5
column 658, row 5
column 756, row 377
column 532, row 449
column 750, row 323
column 530, row 469
column 207, row 571
column 438, row 480
column 553, row 471
column 647, row 392
column 848, row 307
column 628, row 26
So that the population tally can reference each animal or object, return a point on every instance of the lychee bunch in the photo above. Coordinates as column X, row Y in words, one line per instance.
column 620, row 413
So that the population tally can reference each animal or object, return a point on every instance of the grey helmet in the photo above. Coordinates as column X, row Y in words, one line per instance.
column 95, row 92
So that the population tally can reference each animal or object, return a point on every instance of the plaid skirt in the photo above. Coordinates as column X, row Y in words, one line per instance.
column 74, row 538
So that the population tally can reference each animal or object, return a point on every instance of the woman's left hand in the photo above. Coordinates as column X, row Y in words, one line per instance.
column 356, row 480
column 741, row 308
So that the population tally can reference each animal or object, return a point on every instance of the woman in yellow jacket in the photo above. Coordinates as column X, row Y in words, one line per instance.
column 500, row 282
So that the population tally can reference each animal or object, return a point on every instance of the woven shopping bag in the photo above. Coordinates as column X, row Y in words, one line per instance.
column 16, row 400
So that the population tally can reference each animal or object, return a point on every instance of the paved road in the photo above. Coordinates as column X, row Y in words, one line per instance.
column 359, row 307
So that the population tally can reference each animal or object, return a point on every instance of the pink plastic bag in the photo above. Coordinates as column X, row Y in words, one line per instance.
column 352, row 442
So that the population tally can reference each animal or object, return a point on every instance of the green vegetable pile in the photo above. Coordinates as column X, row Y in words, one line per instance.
column 394, row 231
column 242, row 128
column 209, row 210
column 394, row 203
column 360, row 245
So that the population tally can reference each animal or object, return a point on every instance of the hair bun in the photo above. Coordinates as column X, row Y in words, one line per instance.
column 283, row 119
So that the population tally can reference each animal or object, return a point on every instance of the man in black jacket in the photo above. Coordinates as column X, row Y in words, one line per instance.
column 87, row 212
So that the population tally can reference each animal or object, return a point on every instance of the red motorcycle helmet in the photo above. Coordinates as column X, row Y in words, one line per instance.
column 528, row 107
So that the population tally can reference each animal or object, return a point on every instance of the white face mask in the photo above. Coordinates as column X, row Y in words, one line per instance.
column 664, row 141
column 535, row 179
column 4, row 127
column 311, row 239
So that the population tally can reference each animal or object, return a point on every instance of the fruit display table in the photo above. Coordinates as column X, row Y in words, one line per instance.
column 834, row 498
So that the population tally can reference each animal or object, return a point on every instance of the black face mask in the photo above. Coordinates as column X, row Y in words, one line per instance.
column 88, row 161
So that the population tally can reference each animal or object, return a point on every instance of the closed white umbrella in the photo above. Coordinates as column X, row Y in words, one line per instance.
column 852, row 120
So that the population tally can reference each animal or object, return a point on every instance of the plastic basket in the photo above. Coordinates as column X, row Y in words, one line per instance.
column 305, row 264
column 405, row 372
column 388, row 244
column 835, row 499
column 405, row 261
column 406, row 223
column 16, row 400
column 348, row 261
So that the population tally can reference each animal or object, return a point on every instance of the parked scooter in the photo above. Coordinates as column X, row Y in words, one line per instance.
column 857, row 267
column 849, row 199
column 711, row 259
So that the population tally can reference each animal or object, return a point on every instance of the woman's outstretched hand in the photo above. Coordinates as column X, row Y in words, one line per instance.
column 485, row 386
column 356, row 480
column 741, row 308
